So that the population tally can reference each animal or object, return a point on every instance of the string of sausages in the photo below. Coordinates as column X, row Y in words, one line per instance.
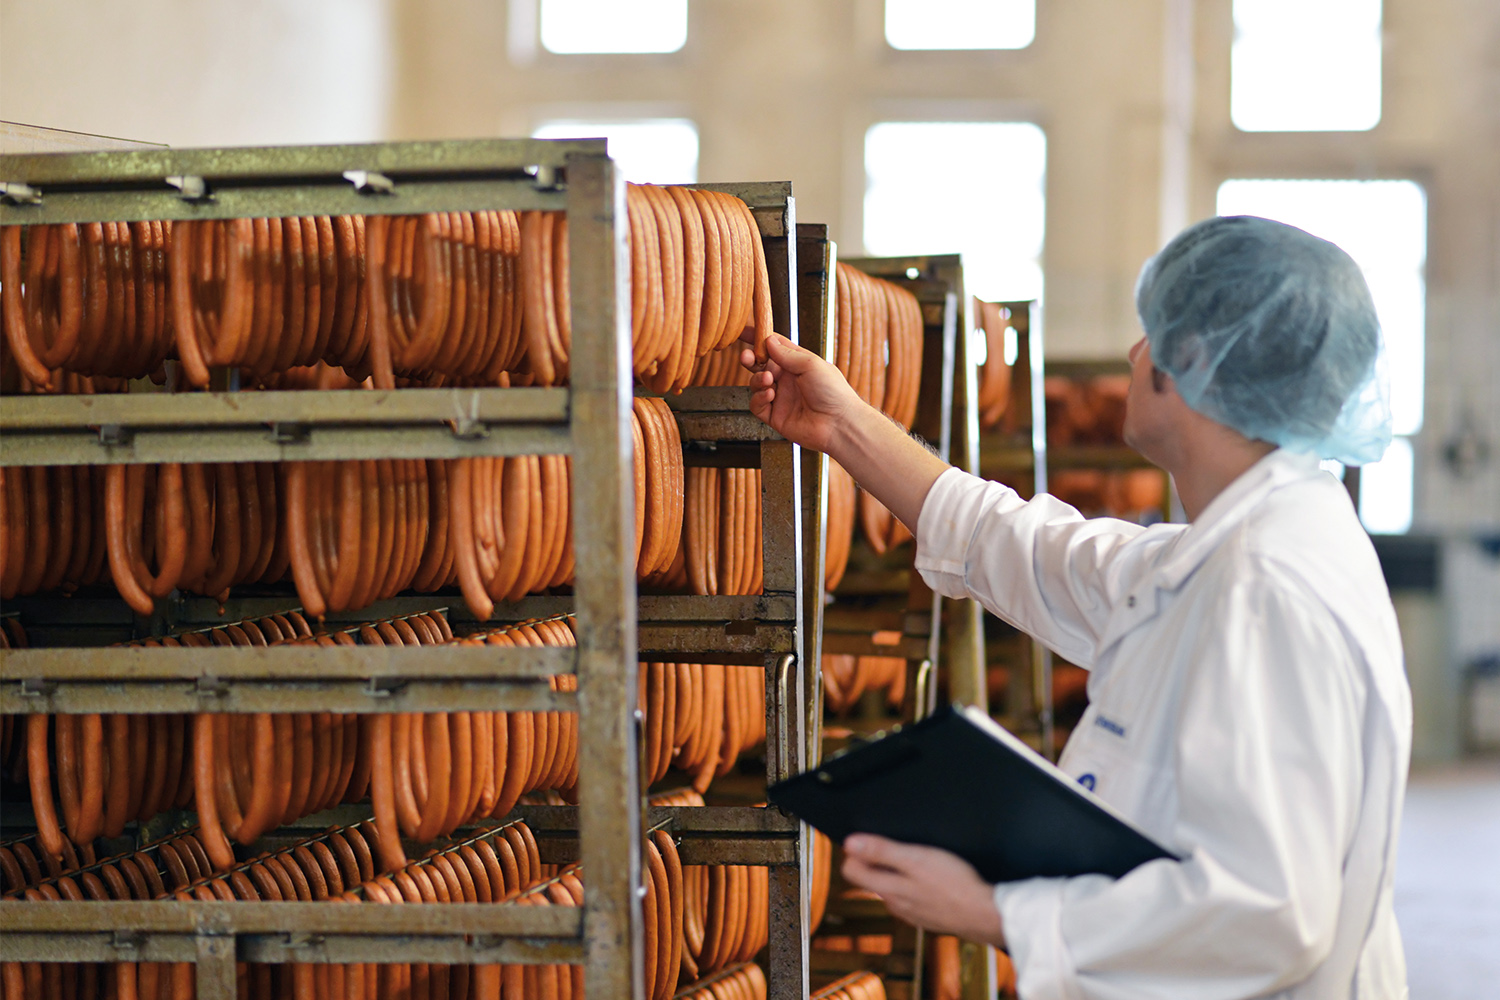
column 878, row 348
column 846, row 677
column 726, row 910
column 1091, row 411
column 92, row 299
column 151, row 872
column 351, row 533
column 445, row 298
column 110, row 769
column 742, row 982
column 703, row 924
column 996, row 372
column 699, row 718
column 854, row 986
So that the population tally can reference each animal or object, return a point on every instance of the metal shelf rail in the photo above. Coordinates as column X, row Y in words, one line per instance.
column 589, row 420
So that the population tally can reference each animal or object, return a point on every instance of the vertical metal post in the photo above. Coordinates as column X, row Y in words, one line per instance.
column 782, row 540
column 965, row 661
column 605, row 596
column 1041, row 656
column 817, row 258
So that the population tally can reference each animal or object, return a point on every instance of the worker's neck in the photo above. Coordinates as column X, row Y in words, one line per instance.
column 1208, row 457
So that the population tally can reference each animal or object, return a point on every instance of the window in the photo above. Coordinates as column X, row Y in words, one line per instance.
column 960, row 24
column 582, row 26
column 649, row 150
column 1305, row 65
column 1383, row 226
column 976, row 188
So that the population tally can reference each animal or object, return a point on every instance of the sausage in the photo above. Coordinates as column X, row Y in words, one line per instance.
column 538, row 318
column 64, row 338
column 14, row 314
column 258, row 814
column 739, row 270
column 49, row 834
column 462, row 770
column 210, row 833
column 463, row 310
column 669, row 234
column 408, row 811
column 673, row 869
column 377, row 306
column 122, row 513
column 500, row 866
column 303, row 573
column 640, row 342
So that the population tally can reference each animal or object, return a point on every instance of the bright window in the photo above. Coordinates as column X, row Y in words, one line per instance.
column 580, row 26
column 1305, row 65
column 1385, row 491
column 960, row 24
column 1383, row 226
column 976, row 188
column 652, row 150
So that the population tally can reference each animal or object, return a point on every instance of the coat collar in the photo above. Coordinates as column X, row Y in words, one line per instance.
column 1194, row 543
column 1225, row 512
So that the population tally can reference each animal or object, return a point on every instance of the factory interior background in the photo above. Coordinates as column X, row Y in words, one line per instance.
column 1057, row 144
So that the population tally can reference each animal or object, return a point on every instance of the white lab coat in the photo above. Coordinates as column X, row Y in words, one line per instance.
column 1248, row 709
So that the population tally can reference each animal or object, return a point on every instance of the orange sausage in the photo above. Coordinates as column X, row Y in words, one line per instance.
column 303, row 573
column 14, row 311
column 49, row 834
column 120, row 524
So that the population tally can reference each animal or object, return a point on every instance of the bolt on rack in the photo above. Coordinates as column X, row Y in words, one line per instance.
column 589, row 420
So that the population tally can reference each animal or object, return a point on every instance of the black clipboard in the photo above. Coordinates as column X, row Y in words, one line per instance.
column 957, row 780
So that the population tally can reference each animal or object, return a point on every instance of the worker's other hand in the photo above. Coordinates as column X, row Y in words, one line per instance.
column 925, row 886
column 804, row 398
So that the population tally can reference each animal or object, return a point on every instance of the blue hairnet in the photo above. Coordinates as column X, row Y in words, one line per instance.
column 1271, row 331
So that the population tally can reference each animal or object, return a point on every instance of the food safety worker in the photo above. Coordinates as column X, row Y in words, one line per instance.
column 1248, row 706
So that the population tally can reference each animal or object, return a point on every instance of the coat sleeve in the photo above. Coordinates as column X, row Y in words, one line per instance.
column 1269, row 773
column 1038, row 564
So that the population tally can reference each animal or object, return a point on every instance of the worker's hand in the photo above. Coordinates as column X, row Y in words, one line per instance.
column 804, row 398
column 925, row 886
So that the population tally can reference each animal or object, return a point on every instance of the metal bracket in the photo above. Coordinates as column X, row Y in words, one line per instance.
column 370, row 182
column 191, row 187
column 303, row 939
column 37, row 687
column 383, row 687
column 127, row 940
column 469, row 429
column 210, row 687
column 546, row 177
column 115, row 435
column 290, row 433
column 17, row 193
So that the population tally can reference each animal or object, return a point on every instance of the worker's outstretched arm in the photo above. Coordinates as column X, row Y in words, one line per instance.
column 807, row 400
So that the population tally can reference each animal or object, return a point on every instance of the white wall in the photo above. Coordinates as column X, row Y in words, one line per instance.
column 199, row 72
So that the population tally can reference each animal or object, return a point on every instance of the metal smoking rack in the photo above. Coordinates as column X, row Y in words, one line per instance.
column 589, row 420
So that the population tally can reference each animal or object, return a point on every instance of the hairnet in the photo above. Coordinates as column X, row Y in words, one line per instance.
column 1271, row 331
